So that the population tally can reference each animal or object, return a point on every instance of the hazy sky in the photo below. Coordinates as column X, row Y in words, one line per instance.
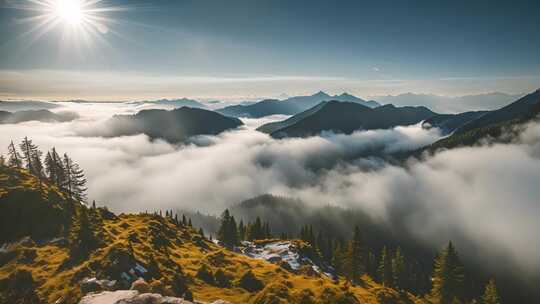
column 249, row 49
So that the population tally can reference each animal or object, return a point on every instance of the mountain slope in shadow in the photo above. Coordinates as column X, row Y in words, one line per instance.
column 345, row 117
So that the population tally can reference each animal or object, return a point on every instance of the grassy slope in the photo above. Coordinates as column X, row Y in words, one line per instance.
column 173, row 247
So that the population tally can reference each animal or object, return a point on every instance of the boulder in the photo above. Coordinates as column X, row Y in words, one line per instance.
column 140, row 285
column 130, row 297
column 94, row 285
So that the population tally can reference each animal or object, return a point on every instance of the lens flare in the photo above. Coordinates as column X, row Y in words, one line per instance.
column 81, row 21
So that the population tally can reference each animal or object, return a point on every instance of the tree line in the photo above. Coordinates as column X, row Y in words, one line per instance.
column 353, row 259
column 60, row 171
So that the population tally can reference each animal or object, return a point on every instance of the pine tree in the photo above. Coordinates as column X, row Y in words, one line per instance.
column 227, row 232
column 233, row 231
column 75, row 181
column 241, row 231
column 28, row 150
column 55, row 168
column 50, row 167
column 399, row 270
column 385, row 268
column 38, row 168
column 338, row 258
column 355, row 256
column 491, row 296
column 15, row 159
column 84, row 239
column 448, row 276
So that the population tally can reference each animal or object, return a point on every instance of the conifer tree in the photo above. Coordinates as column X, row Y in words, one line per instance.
column 54, row 168
column 241, row 231
column 448, row 276
column 14, row 158
column 372, row 265
column 491, row 296
column 355, row 260
column 38, row 167
column 227, row 232
column 399, row 270
column 338, row 258
column 50, row 167
column 75, row 181
column 385, row 268
column 84, row 238
column 29, row 150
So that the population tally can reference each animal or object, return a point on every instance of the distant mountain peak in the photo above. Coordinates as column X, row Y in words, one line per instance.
column 321, row 94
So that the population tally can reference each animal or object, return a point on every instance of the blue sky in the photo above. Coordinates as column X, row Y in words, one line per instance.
column 242, row 49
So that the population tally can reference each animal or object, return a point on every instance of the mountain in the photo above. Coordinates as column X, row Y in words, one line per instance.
column 36, row 115
column 516, row 110
column 448, row 123
column 503, row 125
column 178, row 103
column 345, row 117
column 94, row 254
column 260, row 109
column 445, row 104
column 174, row 126
column 25, row 105
column 289, row 106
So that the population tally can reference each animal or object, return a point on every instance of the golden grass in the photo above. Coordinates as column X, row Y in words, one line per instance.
column 184, row 248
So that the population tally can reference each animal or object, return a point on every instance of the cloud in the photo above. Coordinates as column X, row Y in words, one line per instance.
column 484, row 198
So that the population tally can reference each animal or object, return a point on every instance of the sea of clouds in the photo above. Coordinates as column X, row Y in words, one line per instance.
column 485, row 197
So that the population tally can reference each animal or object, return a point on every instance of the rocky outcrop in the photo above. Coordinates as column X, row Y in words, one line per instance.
column 130, row 297
column 93, row 285
column 135, row 297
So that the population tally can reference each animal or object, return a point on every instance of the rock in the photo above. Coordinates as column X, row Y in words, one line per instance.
column 140, row 285
column 108, row 297
column 131, row 297
column 93, row 285
column 90, row 285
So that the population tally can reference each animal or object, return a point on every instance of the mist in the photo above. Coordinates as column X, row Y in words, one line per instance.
column 485, row 197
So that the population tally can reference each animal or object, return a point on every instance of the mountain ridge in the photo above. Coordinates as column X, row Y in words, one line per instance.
column 345, row 117
column 290, row 106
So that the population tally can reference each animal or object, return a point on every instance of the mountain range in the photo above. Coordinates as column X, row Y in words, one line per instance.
column 347, row 117
column 289, row 106
column 176, row 103
column 445, row 104
column 36, row 115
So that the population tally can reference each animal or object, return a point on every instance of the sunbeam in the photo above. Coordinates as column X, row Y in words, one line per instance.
column 81, row 21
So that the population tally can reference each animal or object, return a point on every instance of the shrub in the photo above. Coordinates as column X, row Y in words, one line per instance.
column 222, row 280
column 249, row 282
column 205, row 274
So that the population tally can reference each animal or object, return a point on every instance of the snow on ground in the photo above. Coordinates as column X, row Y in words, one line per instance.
column 282, row 251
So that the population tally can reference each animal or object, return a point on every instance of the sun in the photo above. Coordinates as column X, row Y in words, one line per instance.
column 80, row 21
column 70, row 12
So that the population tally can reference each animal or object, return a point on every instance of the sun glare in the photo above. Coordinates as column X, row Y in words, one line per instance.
column 82, row 22
column 69, row 11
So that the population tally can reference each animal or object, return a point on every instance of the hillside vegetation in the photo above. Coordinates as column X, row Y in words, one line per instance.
column 56, row 242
